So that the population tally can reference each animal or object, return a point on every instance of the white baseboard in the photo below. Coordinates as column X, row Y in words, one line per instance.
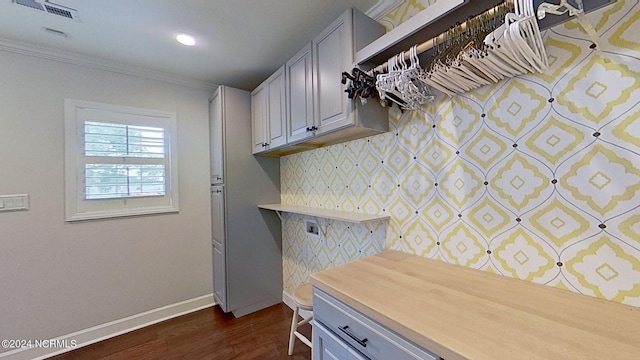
column 105, row 331
column 287, row 299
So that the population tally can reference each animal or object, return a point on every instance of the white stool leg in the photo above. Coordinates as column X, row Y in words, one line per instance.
column 312, row 352
column 292, row 335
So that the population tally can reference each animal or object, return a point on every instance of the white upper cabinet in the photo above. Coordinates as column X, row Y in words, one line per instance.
column 216, row 135
column 318, row 110
column 259, row 118
column 333, row 54
column 299, row 76
column 277, row 110
column 268, row 102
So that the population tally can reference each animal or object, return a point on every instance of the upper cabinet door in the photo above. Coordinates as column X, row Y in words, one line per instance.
column 299, row 74
column 277, row 133
column 259, row 120
column 332, row 53
column 216, row 129
column 268, row 112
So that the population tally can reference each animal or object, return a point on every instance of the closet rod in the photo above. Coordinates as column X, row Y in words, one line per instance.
column 547, row 22
column 431, row 43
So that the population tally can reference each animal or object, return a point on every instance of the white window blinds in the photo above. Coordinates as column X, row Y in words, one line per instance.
column 143, row 147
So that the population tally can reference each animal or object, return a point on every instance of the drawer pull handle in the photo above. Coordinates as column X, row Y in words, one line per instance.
column 345, row 329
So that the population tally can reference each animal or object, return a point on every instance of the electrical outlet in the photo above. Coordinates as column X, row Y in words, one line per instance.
column 312, row 228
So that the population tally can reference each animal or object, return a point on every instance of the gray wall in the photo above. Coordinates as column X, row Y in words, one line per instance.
column 57, row 277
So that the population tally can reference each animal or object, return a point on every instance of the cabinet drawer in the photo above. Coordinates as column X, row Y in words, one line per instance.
column 354, row 327
column 327, row 346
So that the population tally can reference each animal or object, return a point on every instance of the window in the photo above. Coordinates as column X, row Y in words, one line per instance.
column 142, row 146
column 120, row 161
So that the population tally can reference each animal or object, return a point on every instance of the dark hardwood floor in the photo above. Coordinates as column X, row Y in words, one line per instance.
column 206, row 334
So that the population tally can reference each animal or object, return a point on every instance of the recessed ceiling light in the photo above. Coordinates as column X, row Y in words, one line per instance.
column 185, row 39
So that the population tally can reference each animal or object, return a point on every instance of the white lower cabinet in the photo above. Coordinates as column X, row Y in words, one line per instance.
column 341, row 332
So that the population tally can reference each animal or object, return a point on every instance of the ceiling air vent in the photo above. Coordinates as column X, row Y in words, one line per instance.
column 51, row 8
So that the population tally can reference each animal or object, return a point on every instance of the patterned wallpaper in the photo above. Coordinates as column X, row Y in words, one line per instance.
column 536, row 177
column 404, row 12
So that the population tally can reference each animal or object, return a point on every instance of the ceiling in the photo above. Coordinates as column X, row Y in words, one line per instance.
column 240, row 42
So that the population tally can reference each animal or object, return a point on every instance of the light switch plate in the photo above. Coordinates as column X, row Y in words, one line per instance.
column 14, row 202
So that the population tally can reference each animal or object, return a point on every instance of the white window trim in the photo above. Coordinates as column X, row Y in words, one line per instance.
column 76, row 207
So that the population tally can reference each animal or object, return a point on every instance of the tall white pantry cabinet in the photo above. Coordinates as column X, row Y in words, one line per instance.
column 247, row 250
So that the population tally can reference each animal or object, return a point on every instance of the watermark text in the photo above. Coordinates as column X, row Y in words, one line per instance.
column 32, row 343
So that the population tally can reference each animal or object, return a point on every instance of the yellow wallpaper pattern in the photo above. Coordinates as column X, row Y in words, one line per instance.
column 536, row 177
column 404, row 12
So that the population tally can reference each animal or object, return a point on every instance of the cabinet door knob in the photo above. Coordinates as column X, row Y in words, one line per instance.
column 308, row 129
column 314, row 128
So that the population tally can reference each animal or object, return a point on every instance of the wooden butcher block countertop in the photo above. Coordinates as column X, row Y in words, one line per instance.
column 461, row 313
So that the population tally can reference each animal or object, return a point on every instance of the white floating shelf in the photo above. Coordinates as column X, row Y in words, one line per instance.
column 405, row 30
column 346, row 216
column 438, row 18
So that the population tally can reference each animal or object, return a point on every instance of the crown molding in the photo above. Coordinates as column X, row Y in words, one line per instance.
column 383, row 7
column 100, row 64
column 377, row 12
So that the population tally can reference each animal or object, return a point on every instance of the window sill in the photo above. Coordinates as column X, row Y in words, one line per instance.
column 97, row 215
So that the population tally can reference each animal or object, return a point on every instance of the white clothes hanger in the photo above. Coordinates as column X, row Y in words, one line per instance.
column 534, row 38
column 438, row 75
column 419, row 93
column 562, row 8
column 475, row 70
column 495, row 61
column 515, row 47
column 499, row 46
column 522, row 38
column 512, row 42
column 386, row 84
